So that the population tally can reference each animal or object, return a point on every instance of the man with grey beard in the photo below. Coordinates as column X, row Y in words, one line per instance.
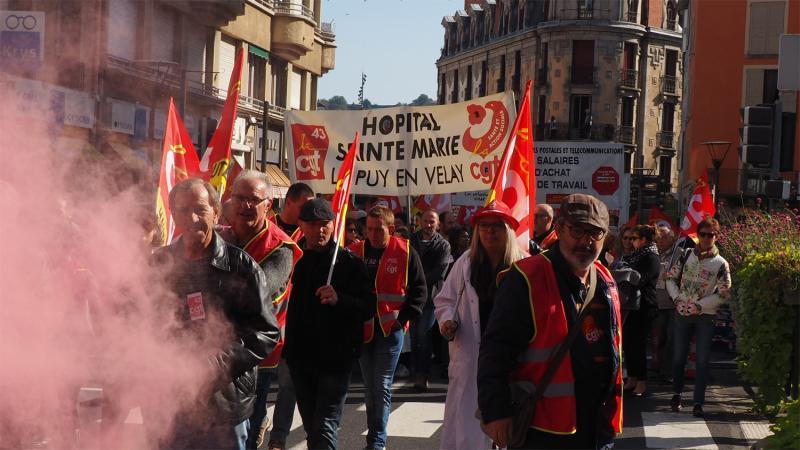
column 581, row 406
column 223, row 317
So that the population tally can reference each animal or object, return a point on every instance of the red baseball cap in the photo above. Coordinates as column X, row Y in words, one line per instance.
column 496, row 209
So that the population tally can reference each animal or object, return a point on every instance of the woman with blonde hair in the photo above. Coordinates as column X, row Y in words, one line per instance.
column 462, row 310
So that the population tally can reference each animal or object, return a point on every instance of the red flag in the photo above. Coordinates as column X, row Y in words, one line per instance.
column 389, row 201
column 235, row 171
column 464, row 213
column 701, row 206
column 515, row 183
column 217, row 156
column 178, row 162
column 342, row 193
column 632, row 222
column 658, row 218
column 439, row 202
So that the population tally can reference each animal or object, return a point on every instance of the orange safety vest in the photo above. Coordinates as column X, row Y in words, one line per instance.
column 549, row 240
column 555, row 411
column 297, row 234
column 390, row 284
column 260, row 247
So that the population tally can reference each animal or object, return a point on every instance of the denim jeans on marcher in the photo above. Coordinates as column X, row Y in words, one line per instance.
column 284, row 405
column 263, row 383
column 378, row 362
column 421, row 344
column 702, row 327
column 219, row 437
column 320, row 399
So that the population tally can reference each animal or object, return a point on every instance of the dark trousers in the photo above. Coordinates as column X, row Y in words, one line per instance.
column 663, row 330
column 702, row 328
column 421, row 339
column 320, row 399
column 263, row 383
column 634, row 335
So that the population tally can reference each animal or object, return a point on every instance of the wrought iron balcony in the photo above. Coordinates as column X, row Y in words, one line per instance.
column 626, row 134
column 293, row 8
column 628, row 78
column 666, row 139
column 585, row 13
column 669, row 85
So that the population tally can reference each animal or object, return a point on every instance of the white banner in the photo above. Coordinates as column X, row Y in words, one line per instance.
column 595, row 168
column 405, row 150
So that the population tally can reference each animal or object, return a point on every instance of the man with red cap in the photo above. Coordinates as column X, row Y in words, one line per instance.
column 560, row 297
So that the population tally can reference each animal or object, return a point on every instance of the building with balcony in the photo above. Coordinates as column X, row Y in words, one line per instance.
column 732, row 56
column 603, row 70
column 117, row 62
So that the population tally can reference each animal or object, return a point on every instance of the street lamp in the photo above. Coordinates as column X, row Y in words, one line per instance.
column 718, row 151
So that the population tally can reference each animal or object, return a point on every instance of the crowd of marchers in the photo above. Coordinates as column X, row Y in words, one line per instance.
column 537, row 338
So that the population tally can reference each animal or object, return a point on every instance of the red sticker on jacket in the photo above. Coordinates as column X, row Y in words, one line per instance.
column 591, row 332
column 195, row 303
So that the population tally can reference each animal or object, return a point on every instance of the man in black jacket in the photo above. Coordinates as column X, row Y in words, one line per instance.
column 434, row 252
column 223, row 316
column 324, row 324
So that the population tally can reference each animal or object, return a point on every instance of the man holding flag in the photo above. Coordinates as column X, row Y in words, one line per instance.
column 324, row 323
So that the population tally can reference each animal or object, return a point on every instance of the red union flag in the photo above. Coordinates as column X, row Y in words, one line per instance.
column 217, row 156
column 701, row 206
column 658, row 219
column 340, row 196
column 310, row 148
column 178, row 162
column 515, row 182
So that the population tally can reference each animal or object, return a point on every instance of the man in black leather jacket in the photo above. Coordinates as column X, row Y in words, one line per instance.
column 223, row 316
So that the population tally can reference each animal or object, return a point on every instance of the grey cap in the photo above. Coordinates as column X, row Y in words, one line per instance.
column 316, row 209
column 585, row 209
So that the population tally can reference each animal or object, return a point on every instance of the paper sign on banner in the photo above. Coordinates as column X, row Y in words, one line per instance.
column 408, row 150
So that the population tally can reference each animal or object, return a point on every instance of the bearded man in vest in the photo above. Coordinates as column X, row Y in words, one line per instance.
column 538, row 301
column 399, row 283
column 544, row 231
column 276, row 253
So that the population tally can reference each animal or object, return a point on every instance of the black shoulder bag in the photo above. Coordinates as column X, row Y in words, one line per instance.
column 523, row 403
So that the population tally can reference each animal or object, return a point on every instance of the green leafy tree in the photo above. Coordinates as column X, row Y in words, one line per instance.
column 422, row 100
column 337, row 102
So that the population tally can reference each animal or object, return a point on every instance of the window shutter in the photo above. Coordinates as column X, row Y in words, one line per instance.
column 754, row 87
column 227, row 56
column 122, row 18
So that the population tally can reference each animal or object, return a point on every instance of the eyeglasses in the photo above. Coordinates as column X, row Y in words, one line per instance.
column 486, row 226
column 255, row 201
column 703, row 234
column 579, row 232
column 351, row 230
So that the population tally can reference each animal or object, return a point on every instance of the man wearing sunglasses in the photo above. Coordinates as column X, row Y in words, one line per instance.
column 698, row 284
column 539, row 300
column 276, row 253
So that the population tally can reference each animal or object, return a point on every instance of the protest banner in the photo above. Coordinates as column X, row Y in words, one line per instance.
column 595, row 168
column 406, row 150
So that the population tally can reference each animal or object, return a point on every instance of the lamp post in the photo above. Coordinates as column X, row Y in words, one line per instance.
column 717, row 151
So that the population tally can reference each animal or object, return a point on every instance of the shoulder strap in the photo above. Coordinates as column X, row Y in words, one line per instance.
column 682, row 262
column 559, row 354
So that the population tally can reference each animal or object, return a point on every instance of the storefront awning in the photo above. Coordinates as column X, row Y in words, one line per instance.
column 280, row 181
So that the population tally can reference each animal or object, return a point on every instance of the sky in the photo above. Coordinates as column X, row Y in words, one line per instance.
column 394, row 42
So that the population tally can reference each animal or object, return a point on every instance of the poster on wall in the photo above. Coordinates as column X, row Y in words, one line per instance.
column 595, row 168
column 406, row 150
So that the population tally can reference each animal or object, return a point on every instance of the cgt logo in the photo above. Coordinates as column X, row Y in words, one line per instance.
column 310, row 148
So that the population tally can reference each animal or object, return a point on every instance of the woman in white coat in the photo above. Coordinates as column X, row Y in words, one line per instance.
column 462, row 311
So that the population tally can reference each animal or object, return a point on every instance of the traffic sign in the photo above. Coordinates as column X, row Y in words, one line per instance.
column 605, row 180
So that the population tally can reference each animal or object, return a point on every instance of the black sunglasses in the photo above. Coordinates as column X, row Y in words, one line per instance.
column 703, row 234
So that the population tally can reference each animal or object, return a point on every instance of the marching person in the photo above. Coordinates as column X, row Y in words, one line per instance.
column 646, row 262
column 544, row 233
column 283, row 415
column 276, row 253
column 664, row 322
column 463, row 308
column 324, row 325
column 434, row 252
column 540, row 300
column 398, row 278
column 699, row 283
column 214, row 281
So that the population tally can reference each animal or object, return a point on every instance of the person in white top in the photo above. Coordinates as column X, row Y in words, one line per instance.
column 698, row 284
column 462, row 311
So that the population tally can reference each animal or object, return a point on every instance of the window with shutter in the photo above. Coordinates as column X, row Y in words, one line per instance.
column 122, row 20
column 227, row 56
column 582, row 62
column 162, row 43
column 295, row 87
column 753, row 86
column 195, row 63
column 765, row 27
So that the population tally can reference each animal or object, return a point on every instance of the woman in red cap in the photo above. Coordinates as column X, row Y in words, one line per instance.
column 462, row 310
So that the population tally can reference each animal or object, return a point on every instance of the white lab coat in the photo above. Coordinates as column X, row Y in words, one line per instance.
column 461, row 429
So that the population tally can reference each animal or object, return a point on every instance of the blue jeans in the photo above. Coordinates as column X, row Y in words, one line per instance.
column 263, row 383
column 378, row 362
column 284, row 405
column 702, row 327
column 421, row 344
column 320, row 399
